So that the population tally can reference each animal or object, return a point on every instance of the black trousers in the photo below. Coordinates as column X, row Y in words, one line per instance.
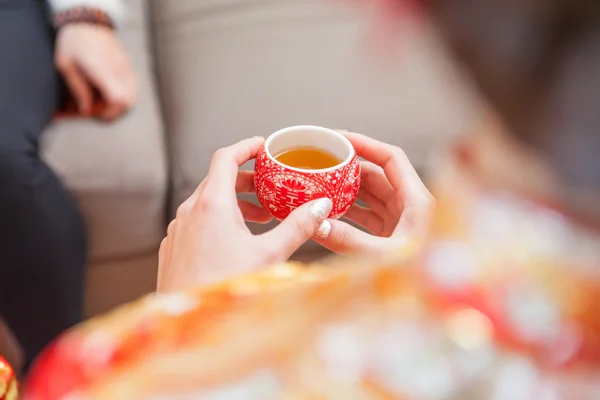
column 42, row 236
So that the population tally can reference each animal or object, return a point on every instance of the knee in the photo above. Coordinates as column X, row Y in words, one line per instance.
column 27, row 182
column 32, row 196
column 19, row 170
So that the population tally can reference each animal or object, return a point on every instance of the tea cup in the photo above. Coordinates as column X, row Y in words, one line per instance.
column 281, row 188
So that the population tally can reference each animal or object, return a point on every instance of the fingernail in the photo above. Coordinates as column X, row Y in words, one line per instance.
column 341, row 130
column 323, row 231
column 321, row 208
column 258, row 137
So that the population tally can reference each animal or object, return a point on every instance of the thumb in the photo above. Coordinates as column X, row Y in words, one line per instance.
column 113, row 93
column 344, row 239
column 298, row 227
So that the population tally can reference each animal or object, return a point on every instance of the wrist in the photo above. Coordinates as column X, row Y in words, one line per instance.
column 113, row 9
column 86, row 15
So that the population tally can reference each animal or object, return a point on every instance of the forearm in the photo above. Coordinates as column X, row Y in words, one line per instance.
column 113, row 8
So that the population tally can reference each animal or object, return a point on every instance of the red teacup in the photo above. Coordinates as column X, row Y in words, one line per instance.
column 281, row 188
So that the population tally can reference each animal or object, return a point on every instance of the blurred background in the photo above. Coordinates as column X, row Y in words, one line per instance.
column 214, row 72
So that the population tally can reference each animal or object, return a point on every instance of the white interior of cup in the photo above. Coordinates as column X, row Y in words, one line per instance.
column 310, row 136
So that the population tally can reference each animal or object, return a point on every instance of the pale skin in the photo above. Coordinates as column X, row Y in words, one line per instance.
column 209, row 241
column 92, row 56
column 398, row 204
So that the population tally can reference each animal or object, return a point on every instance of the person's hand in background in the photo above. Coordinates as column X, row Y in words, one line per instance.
column 399, row 206
column 92, row 58
column 209, row 241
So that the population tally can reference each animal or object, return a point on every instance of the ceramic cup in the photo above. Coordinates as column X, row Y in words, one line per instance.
column 281, row 188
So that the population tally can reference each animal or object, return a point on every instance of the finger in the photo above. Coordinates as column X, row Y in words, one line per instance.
column 112, row 73
column 129, row 83
column 171, row 228
column 245, row 182
column 297, row 228
column 117, row 89
column 225, row 163
column 112, row 111
column 116, row 93
column 415, row 220
column 396, row 165
column 375, row 204
column 168, row 241
column 163, row 263
column 375, row 181
column 162, row 253
column 78, row 86
column 349, row 241
column 365, row 217
column 254, row 213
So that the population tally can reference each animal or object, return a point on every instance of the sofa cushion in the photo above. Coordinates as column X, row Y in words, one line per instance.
column 118, row 171
column 128, row 279
column 231, row 69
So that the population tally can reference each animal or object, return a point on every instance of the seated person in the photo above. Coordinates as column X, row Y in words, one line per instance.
column 42, row 234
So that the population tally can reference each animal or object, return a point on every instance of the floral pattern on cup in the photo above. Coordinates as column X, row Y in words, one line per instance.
column 280, row 190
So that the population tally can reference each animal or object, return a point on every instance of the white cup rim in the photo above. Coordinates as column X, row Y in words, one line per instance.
column 347, row 160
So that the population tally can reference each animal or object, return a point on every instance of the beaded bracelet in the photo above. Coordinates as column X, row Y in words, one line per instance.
column 82, row 14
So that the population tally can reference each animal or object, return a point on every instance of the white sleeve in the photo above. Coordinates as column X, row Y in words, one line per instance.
column 114, row 8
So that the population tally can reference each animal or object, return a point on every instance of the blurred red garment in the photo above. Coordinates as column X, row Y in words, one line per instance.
column 499, row 303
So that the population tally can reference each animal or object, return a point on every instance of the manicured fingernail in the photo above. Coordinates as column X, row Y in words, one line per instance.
column 341, row 130
column 321, row 208
column 323, row 231
column 258, row 137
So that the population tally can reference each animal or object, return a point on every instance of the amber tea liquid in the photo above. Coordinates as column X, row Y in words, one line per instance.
column 308, row 158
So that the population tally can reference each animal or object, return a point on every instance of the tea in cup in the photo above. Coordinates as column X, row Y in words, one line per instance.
column 304, row 163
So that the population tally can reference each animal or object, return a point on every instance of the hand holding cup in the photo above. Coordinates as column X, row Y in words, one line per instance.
column 398, row 206
column 209, row 241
